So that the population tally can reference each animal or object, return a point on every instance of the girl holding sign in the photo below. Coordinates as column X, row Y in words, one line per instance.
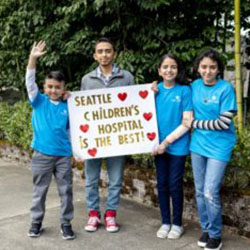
column 212, row 142
column 173, row 104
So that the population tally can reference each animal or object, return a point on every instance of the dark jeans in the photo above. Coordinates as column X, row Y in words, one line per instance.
column 170, row 169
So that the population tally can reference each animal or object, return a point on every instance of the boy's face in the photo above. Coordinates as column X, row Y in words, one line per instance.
column 104, row 54
column 54, row 89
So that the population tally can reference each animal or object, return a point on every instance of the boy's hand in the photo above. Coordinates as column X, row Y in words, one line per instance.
column 78, row 159
column 66, row 95
column 38, row 49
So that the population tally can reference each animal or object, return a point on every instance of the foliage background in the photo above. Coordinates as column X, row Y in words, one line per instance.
column 143, row 30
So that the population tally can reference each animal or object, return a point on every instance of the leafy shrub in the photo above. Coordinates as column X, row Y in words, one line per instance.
column 15, row 124
column 238, row 171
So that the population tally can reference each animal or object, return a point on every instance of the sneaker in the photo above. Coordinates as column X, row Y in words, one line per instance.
column 213, row 244
column 202, row 242
column 110, row 222
column 163, row 231
column 93, row 221
column 35, row 230
column 67, row 232
column 176, row 232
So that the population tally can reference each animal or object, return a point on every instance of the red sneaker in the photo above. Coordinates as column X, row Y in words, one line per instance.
column 93, row 221
column 110, row 221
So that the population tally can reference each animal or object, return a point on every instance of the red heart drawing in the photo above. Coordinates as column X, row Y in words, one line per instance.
column 92, row 152
column 84, row 128
column 151, row 136
column 143, row 94
column 147, row 116
column 122, row 96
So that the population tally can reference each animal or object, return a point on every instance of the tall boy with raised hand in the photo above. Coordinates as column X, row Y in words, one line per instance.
column 106, row 75
column 51, row 144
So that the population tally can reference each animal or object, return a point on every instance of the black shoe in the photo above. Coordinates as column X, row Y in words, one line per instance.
column 35, row 230
column 67, row 233
column 202, row 242
column 213, row 244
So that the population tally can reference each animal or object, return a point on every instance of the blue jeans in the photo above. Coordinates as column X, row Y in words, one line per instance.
column 115, row 167
column 208, row 176
column 169, row 171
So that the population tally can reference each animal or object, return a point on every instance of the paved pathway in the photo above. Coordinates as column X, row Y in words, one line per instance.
column 139, row 223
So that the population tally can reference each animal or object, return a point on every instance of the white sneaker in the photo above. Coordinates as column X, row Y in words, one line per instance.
column 163, row 231
column 176, row 232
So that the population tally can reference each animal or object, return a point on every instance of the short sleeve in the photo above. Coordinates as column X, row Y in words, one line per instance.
column 38, row 99
column 228, row 100
column 187, row 99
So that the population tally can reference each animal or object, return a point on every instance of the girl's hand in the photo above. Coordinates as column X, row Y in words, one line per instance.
column 158, row 150
column 161, row 149
column 154, row 151
column 187, row 122
column 38, row 49
column 154, row 86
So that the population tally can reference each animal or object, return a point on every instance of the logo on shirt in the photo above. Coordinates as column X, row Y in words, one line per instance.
column 213, row 99
column 64, row 112
column 176, row 99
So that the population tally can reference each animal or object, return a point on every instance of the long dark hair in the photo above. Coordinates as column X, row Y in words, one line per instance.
column 214, row 56
column 181, row 77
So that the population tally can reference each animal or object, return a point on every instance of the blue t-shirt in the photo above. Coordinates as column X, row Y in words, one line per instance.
column 170, row 105
column 209, row 102
column 50, row 124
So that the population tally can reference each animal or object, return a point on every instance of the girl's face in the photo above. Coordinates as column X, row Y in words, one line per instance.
column 208, row 70
column 168, row 71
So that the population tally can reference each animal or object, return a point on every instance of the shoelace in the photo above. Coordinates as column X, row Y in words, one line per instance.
column 93, row 220
column 110, row 221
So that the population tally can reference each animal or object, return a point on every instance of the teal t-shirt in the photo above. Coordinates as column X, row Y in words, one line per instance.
column 50, row 124
column 170, row 105
column 209, row 102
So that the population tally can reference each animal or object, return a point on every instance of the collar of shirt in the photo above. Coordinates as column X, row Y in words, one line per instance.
column 105, row 79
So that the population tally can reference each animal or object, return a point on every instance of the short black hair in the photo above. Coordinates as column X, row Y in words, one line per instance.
column 213, row 55
column 56, row 75
column 181, row 77
column 105, row 40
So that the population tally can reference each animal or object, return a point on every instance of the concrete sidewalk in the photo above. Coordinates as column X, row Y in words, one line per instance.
column 138, row 223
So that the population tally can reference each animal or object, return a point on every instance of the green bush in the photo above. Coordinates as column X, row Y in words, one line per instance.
column 15, row 124
column 238, row 171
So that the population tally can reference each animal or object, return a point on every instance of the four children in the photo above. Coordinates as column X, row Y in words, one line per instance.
column 213, row 102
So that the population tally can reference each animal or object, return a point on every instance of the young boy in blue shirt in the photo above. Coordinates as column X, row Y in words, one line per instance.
column 51, row 144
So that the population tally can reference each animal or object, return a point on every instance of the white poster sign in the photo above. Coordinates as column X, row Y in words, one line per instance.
column 113, row 121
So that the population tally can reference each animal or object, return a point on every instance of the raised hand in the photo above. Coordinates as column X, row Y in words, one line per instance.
column 38, row 49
